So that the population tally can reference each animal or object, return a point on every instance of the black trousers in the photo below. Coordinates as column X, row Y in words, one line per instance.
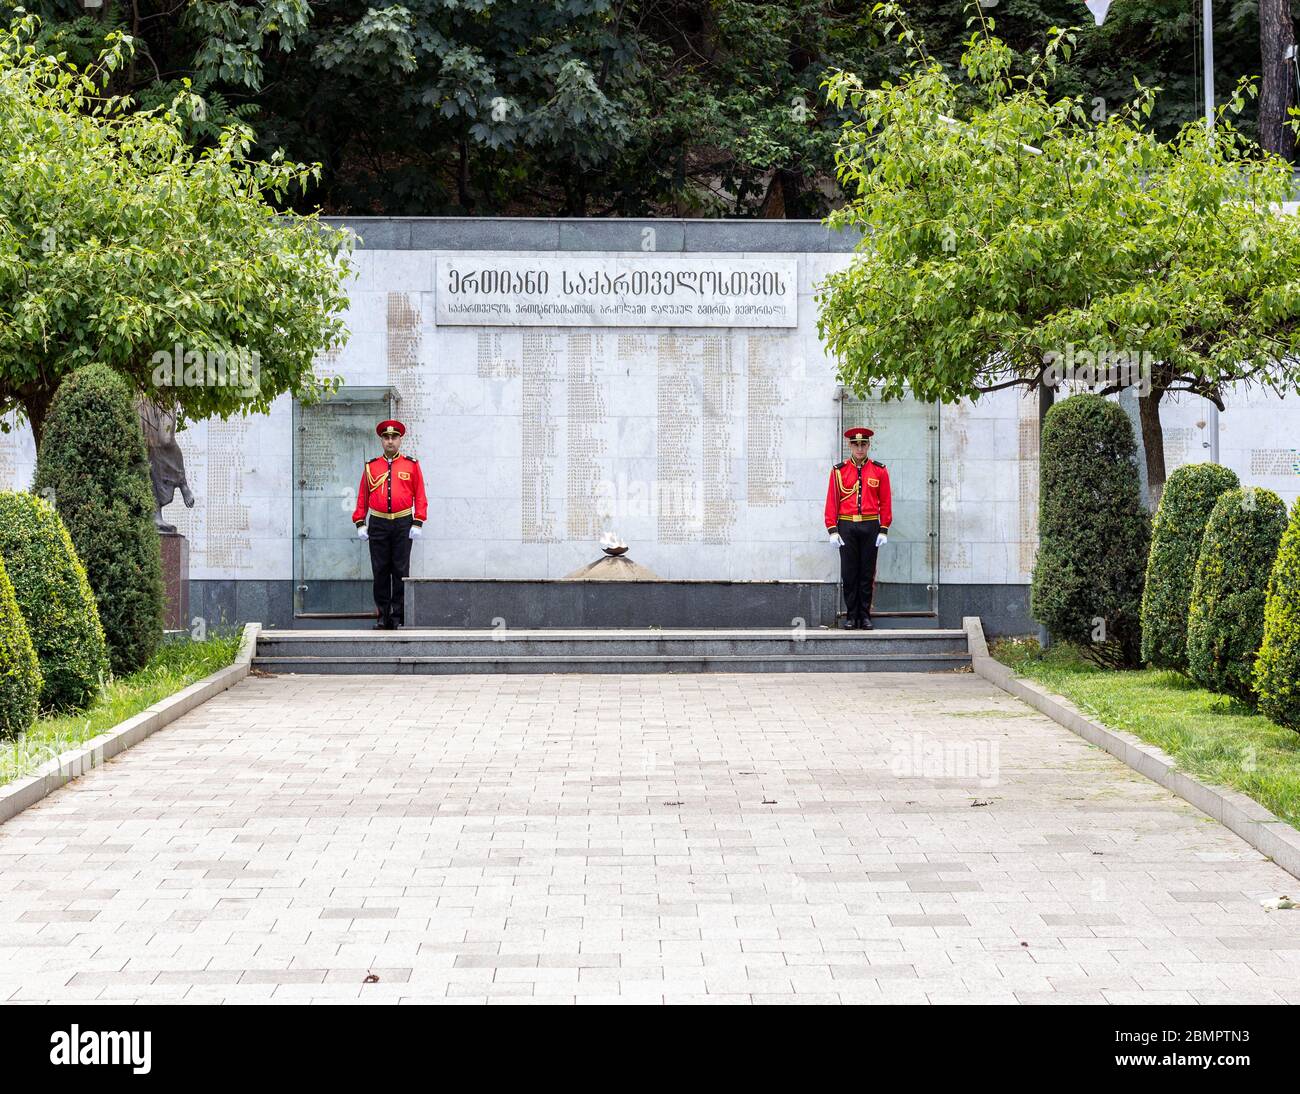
column 390, row 560
column 858, row 565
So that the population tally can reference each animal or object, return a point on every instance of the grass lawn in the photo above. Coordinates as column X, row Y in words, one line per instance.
column 1208, row 735
column 178, row 663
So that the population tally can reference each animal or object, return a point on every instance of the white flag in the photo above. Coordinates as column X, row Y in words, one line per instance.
column 1098, row 9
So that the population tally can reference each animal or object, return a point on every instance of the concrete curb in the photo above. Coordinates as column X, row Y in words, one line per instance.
column 1246, row 817
column 18, row 795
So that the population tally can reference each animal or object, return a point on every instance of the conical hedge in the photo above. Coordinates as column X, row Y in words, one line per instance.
column 1184, row 510
column 1225, row 617
column 94, row 466
column 1093, row 531
column 20, row 676
column 55, row 599
column 1277, row 670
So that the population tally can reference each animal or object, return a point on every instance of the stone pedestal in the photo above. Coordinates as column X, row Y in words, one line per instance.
column 176, row 580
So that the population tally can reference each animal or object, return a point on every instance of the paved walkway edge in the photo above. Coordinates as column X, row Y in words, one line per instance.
column 1244, row 816
column 18, row 795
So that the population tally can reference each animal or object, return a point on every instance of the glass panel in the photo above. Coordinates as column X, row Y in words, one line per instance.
column 332, row 441
column 906, row 441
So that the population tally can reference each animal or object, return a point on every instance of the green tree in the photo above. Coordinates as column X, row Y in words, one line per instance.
column 93, row 464
column 1015, row 237
column 1093, row 532
column 120, row 245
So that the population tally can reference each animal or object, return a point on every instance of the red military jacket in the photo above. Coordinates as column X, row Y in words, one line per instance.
column 391, row 491
column 858, row 495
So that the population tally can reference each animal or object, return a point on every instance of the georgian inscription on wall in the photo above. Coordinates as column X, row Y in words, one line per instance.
column 617, row 290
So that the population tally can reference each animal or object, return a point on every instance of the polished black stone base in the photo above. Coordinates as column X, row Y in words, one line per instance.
column 1004, row 609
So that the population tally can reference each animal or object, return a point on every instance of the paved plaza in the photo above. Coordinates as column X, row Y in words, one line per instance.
column 811, row 837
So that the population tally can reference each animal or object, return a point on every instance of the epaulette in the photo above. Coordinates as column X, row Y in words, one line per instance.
column 878, row 463
column 414, row 460
column 839, row 465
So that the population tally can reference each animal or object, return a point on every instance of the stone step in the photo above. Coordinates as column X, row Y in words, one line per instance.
column 450, row 651
column 499, row 644
column 613, row 663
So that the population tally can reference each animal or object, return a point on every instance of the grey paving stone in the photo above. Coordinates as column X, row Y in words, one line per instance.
column 507, row 840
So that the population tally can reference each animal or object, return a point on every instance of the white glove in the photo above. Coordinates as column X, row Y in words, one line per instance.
column 416, row 531
column 837, row 539
column 362, row 532
column 881, row 539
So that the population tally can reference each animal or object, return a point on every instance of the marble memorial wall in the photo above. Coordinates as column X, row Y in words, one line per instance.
column 706, row 447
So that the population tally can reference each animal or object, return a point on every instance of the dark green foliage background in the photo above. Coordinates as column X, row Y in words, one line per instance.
column 667, row 107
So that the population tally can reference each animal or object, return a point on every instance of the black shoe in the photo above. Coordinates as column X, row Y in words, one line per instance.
column 849, row 625
column 864, row 624
column 391, row 626
column 379, row 626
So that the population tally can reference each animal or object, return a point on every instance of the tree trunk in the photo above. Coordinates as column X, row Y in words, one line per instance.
column 773, row 206
column 462, row 179
column 1277, row 83
column 679, row 182
column 36, row 407
column 782, row 193
column 1153, row 440
column 1046, row 396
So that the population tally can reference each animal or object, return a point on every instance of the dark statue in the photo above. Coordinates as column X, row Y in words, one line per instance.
column 166, row 461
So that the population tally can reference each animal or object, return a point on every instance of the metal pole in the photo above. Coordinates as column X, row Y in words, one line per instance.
column 1207, row 41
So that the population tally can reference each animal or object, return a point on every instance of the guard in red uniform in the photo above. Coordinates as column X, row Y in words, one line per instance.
column 858, row 512
column 390, row 513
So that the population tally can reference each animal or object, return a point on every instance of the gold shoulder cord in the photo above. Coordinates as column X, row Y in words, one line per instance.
column 375, row 482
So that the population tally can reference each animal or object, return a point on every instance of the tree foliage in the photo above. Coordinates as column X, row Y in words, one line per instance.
column 1009, row 229
column 119, row 242
column 696, row 107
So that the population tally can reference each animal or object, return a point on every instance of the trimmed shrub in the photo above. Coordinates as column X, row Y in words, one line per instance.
column 1225, row 617
column 1093, row 531
column 1181, row 517
column 1277, row 669
column 55, row 599
column 93, row 458
column 20, row 676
